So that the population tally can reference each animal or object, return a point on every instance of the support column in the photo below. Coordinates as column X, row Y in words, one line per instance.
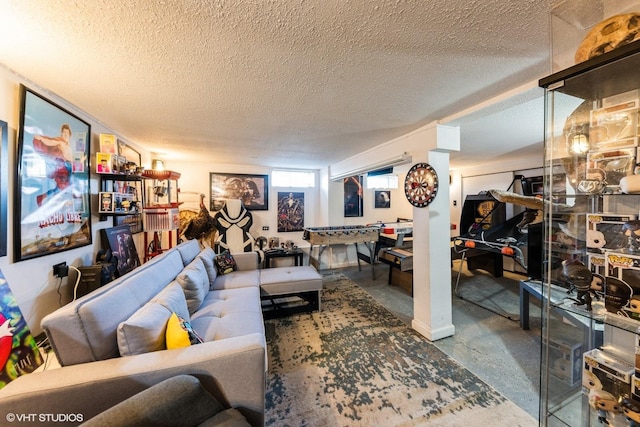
column 432, row 302
column 432, row 311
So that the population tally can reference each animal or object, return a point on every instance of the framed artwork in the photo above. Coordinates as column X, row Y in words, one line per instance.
column 253, row 190
column 120, row 241
column 52, row 207
column 290, row 211
column 4, row 185
column 353, row 205
column 382, row 199
column 132, row 158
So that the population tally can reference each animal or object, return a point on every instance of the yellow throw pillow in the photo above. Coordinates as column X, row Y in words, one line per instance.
column 176, row 335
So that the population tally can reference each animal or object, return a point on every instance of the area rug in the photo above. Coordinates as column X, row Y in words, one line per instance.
column 356, row 364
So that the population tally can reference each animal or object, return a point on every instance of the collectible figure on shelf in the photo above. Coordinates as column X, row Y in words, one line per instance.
column 631, row 410
column 631, row 229
column 601, row 400
column 579, row 278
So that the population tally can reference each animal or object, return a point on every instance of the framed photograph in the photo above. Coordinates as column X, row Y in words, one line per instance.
column 4, row 185
column 382, row 199
column 253, row 190
column 120, row 241
column 290, row 211
column 52, row 208
column 353, row 204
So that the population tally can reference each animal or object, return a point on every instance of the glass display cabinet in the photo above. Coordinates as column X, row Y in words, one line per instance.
column 590, row 373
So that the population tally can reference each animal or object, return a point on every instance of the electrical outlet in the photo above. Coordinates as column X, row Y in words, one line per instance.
column 61, row 270
column 265, row 228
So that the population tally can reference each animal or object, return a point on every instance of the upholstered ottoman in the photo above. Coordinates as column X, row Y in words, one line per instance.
column 290, row 290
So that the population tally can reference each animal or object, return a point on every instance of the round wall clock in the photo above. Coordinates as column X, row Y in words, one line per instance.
column 421, row 185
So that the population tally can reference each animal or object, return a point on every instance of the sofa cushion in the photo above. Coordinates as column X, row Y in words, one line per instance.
column 145, row 330
column 207, row 255
column 237, row 324
column 225, row 263
column 195, row 284
column 229, row 313
column 237, row 279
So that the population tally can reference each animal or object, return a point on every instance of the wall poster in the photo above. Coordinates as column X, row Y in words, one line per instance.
column 290, row 211
column 353, row 204
column 52, row 187
column 19, row 353
column 253, row 190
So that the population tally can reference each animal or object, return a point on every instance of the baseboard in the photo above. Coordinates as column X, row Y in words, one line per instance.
column 433, row 334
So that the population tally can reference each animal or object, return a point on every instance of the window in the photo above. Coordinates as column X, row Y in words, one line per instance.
column 292, row 178
column 382, row 181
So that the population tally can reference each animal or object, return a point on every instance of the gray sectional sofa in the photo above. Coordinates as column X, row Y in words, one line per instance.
column 111, row 342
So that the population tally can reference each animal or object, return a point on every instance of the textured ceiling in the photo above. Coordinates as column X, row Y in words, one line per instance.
column 281, row 83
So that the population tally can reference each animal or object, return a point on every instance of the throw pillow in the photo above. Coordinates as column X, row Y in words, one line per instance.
column 194, row 281
column 180, row 333
column 225, row 263
column 144, row 331
column 207, row 256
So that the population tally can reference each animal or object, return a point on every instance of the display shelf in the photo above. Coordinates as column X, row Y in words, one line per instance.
column 590, row 291
column 121, row 197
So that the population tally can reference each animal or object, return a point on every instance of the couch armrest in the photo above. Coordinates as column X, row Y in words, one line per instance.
column 246, row 260
column 233, row 370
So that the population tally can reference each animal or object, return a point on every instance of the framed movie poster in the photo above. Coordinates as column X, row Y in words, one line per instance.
column 52, row 207
column 120, row 241
column 353, row 204
column 4, row 186
column 290, row 211
column 253, row 190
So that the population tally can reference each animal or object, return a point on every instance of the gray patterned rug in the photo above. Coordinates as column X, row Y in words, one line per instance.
column 356, row 364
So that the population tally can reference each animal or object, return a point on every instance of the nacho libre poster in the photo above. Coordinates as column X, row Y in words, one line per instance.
column 53, row 182
column 19, row 353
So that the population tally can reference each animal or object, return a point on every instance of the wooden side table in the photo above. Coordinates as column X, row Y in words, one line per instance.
column 296, row 254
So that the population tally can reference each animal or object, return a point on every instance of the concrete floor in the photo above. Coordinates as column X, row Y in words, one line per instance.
column 488, row 341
